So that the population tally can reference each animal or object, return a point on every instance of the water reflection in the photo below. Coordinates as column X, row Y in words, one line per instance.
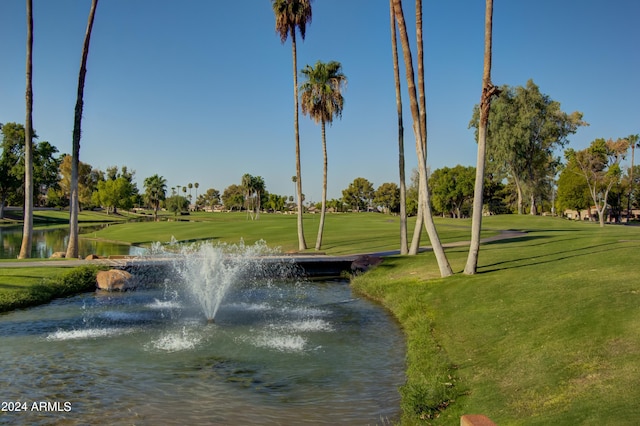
column 48, row 240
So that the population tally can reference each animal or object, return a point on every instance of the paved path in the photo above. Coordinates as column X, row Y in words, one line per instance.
column 303, row 258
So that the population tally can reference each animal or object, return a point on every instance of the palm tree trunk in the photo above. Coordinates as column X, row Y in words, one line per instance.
column 323, row 209
column 25, row 248
column 420, row 136
column 485, row 101
column 302, row 244
column 633, row 151
column 438, row 250
column 404, row 249
column 74, row 207
column 417, row 232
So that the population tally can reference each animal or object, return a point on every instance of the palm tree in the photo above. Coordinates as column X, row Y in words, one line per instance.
column 419, row 130
column 258, row 187
column 196, row 186
column 190, row 187
column 25, row 248
column 404, row 248
column 74, row 205
column 322, row 100
column 488, row 90
column 292, row 14
column 155, row 191
column 633, row 142
column 247, row 186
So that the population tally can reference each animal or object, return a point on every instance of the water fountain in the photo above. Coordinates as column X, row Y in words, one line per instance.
column 289, row 349
column 208, row 271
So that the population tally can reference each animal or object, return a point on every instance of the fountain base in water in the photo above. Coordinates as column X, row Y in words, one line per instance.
column 209, row 271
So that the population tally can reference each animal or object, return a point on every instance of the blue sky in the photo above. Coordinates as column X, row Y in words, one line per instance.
column 201, row 90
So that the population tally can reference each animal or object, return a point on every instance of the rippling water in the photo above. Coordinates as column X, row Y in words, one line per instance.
column 286, row 353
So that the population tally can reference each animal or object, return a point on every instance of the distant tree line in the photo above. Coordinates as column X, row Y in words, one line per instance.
column 584, row 181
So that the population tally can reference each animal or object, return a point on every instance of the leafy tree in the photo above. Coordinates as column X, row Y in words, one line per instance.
column 177, row 204
column 322, row 100
column 25, row 248
column 336, row 205
column 114, row 194
column 359, row 194
column 404, row 245
column 573, row 191
column 45, row 169
column 118, row 191
column 155, row 191
column 276, row 202
column 388, row 197
column 88, row 179
column 452, row 189
column 12, row 135
column 419, row 115
column 494, row 196
column 233, row 197
column 525, row 128
column 488, row 91
column 74, row 206
column 291, row 15
column 210, row 198
column 12, row 166
column 599, row 165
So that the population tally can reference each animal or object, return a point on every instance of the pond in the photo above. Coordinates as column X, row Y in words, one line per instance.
column 278, row 353
column 48, row 240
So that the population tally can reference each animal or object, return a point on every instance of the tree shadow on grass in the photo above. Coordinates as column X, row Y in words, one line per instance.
column 548, row 257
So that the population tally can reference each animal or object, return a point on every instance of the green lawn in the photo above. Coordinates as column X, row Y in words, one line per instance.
column 24, row 287
column 344, row 233
column 61, row 217
column 548, row 331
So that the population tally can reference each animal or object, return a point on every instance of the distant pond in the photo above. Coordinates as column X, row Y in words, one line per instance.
column 47, row 240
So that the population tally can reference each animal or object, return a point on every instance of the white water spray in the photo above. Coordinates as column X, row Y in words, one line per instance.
column 208, row 271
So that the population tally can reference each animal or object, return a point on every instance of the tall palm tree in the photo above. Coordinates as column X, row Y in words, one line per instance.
column 190, row 185
column 292, row 14
column 74, row 204
column 488, row 90
column 633, row 143
column 247, row 185
column 419, row 131
column 259, row 188
column 196, row 186
column 322, row 100
column 404, row 248
column 155, row 191
column 25, row 248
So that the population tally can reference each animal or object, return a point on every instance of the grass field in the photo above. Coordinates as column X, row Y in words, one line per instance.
column 344, row 233
column 547, row 332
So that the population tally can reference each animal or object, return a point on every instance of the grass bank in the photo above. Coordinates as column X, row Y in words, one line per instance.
column 548, row 331
column 24, row 287
column 42, row 216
